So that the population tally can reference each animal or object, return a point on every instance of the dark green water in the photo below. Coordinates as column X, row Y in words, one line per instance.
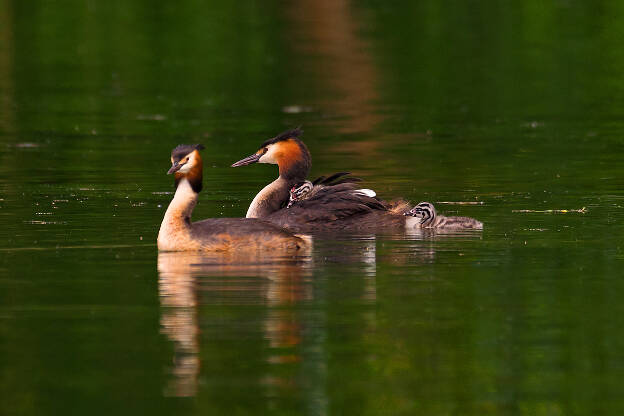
column 516, row 108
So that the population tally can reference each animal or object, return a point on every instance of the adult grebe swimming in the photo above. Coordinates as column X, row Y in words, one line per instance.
column 178, row 233
column 327, row 204
column 334, row 203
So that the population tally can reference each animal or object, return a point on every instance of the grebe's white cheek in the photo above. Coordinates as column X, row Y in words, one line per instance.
column 269, row 156
column 189, row 164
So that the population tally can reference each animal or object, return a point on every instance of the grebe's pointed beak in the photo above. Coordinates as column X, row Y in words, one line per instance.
column 176, row 167
column 248, row 160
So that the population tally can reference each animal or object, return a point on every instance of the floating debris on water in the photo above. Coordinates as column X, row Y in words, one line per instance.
column 533, row 124
column 553, row 211
column 155, row 117
column 26, row 145
column 461, row 202
column 296, row 109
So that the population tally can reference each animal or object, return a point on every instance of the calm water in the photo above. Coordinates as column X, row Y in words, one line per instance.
column 513, row 110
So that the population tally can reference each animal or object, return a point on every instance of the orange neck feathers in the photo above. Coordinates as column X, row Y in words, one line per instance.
column 293, row 159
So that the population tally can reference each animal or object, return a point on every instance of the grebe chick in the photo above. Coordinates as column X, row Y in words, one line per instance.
column 178, row 233
column 429, row 219
column 333, row 204
column 299, row 192
column 306, row 189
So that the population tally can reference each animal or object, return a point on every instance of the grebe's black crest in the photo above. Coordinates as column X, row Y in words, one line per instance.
column 184, row 149
column 289, row 134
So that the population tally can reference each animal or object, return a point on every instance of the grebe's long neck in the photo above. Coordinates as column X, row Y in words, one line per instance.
column 177, row 218
column 293, row 160
column 183, row 203
column 270, row 198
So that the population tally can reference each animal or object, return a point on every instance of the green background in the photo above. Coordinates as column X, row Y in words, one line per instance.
column 514, row 105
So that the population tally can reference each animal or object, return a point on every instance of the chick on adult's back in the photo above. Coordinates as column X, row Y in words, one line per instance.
column 333, row 204
column 179, row 233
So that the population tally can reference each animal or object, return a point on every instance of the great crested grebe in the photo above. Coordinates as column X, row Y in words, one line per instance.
column 178, row 233
column 429, row 219
column 334, row 203
column 293, row 160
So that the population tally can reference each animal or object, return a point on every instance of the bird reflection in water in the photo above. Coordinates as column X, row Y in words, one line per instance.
column 187, row 279
column 176, row 288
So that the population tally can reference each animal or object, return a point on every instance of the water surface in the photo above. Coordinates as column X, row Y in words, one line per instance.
column 509, row 114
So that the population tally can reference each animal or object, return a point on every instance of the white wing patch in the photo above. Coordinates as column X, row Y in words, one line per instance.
column 366, row 192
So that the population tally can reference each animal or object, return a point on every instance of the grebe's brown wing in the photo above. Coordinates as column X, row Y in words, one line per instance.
column 329, row 204
column 344, row 193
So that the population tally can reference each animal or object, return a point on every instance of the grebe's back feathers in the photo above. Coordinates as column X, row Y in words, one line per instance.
column 331, row 207
column 236, row 227
column 339, row 186
column 243, row 234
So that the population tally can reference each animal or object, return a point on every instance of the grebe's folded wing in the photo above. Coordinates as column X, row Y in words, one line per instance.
column 334, row 203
